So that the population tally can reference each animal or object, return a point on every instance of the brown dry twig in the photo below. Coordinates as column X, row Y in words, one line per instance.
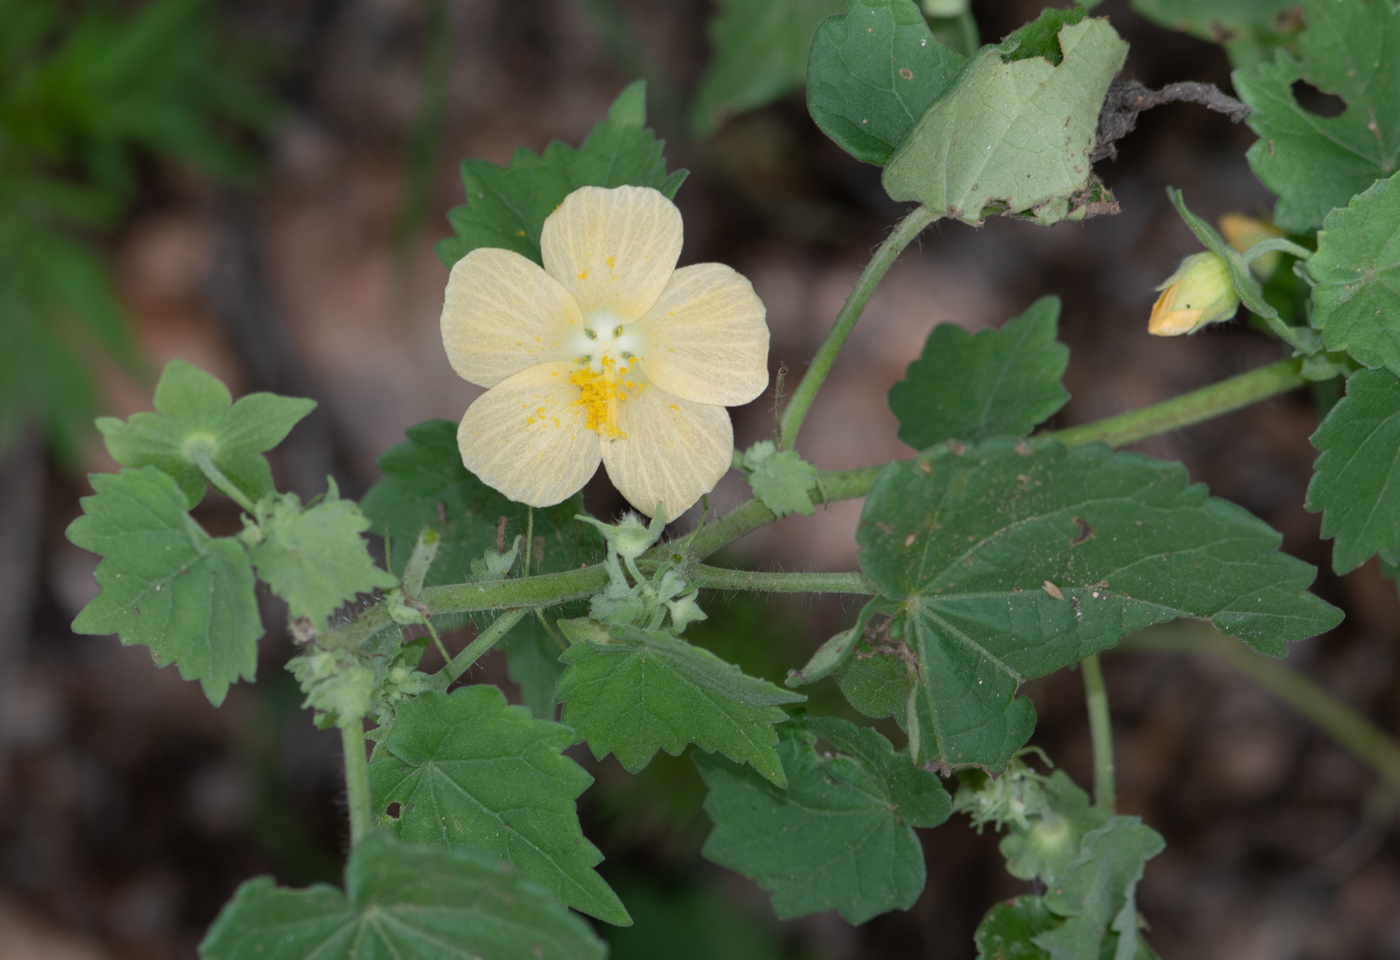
column 1127, row 99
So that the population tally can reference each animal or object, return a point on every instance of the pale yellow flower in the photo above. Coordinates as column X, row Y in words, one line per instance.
column 608, row 353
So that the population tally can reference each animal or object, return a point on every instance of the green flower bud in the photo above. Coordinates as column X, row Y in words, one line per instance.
column 1197, row 294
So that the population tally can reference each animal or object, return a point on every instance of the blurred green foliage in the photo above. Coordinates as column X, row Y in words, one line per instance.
column 88, row 94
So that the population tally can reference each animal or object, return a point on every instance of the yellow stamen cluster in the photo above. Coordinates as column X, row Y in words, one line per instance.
column 600, row 392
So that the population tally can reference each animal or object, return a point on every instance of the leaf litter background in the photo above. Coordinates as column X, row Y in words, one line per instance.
column 132, row 808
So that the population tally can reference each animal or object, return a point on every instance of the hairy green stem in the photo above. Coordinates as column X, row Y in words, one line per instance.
column 720, row 578
column 904, row 232
column 221, row 482
column 484, row 641
column 352, row 739
column 1367, row 742
column 544, row 590
column 1194, row 407
column 1100, row 732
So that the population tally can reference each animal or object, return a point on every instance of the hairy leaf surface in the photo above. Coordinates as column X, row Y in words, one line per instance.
column 1013, row 136
column 314, row 557
column 841, row 835
column 1356, row 303
column 1013, row 559
column 507, row 206
column 1356, row 480
column 873, row 72
column 645, row 690
column 997, row 383
column 469, row 771
column 166, row 583
column 402, row 903
column 1316, row 163
column 760, row 54
column 195, row 410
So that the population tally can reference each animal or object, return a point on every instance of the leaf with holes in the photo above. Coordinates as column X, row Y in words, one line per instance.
column 195, row 412
column 644, row 690
column 402, row 903
column 469, row 771
column 998, row 383
column 1356, row 302
column 1356, row 480
column 166, row 583
column 1014, row 135
column 1012, row 559
column 840, row 837
column 873, row 72
column 1314, row 163
column 506, row 206
column 760, row 54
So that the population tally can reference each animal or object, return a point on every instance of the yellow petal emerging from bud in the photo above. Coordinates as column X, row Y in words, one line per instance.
column 1197, row 294
column 1242, row 232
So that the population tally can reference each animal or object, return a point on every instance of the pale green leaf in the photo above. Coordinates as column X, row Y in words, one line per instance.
column 1098, row 891
column 1013, row 137
column 1356, row 480
column 760, row 54
column 507, row 206
column 314, row 557
column 469, row 771
column 783, row 482
column 645, row 690
column 166, row 583
column 1015, row 558
column 873, row 72
column 402, row 903
column 1315, row 163
column 840, row 837
column 1356, row 302
column 195, row 411
column 997, row 383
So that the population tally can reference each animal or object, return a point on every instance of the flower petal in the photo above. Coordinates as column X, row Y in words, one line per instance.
column 671, row 452
column 614, row 250
column 502, row 313
column 706, row 339
column 526, row 437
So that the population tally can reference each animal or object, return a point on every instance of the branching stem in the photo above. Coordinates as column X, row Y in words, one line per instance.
column 484, row 641
column 904, row 232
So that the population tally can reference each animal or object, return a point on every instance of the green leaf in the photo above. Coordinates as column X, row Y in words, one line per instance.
column 1356, row 302
column 645, row 690
column 1098, row 891
column 402, row 903
column 1009, row 929
column 783, row 481
column 166, row 583
column 872, row 73
column 1046, row 850
column 470, row 771
column 194, row 413
column 1248, row 29
column 840, row 837
column 1041, row 37
column 760, row 55
column 1016, row 558
column 1013, row 137
column 1314, row 163
column 425, row 485
column 997, row 383
column 1356, row 480
column 507, row 206
column 532, row 660
column 314, row 557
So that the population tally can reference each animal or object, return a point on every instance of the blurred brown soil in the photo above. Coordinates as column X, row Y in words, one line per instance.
column 133, row 808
